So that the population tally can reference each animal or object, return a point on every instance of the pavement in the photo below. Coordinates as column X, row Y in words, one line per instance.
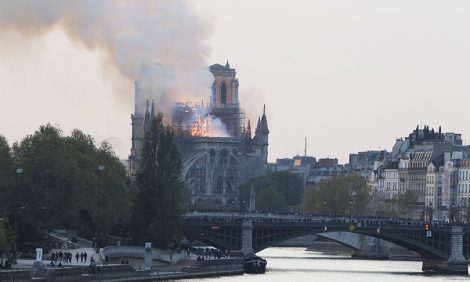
column 29, row 263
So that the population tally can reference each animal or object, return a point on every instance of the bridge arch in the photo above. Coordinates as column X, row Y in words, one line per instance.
column 226, row 234
column 436, row 247
column 355, row 244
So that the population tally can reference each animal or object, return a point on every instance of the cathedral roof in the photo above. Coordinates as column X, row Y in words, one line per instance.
column 221, row 68
column 217, row 66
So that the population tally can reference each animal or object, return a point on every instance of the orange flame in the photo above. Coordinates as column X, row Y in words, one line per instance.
column 200, row 127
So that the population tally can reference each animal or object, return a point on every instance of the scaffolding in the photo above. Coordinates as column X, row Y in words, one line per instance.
column 185, row 114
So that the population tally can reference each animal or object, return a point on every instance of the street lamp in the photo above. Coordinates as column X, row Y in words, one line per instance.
column 350, row 210
column 324, row 206
column 195, row 199
column 98, row 203
column 452, row 207
column 243, row 210
column 430, row 212
column 15, row 242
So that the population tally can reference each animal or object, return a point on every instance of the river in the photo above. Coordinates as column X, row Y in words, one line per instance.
column 296, row 264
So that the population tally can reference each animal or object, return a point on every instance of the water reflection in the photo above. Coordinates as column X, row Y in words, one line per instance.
column 296, row 264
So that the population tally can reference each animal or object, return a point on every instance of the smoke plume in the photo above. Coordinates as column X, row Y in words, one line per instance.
column 162, row 44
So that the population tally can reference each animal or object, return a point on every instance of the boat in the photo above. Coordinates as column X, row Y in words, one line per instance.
column 254, row 264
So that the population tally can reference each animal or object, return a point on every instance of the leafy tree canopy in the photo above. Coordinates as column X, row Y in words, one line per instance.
column 59, row 184
column 7, row 172
column 287, row 185
column 159, row 201
column 269, row 199
column 333, row 196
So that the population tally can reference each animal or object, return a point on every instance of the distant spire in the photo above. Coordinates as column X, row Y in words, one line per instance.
column 305, row 149
column 227, row 65
column 264, row 109
column 147, row 118
column 152, row 113
column 248, row 132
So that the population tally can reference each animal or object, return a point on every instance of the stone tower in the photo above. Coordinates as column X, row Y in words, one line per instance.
column 140, row 121
column 225, row 86
column 224, row 99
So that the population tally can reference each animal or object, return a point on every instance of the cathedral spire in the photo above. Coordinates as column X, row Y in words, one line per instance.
column 227, row 65
column 248, row 130
column 152, row 113
column 147, row 118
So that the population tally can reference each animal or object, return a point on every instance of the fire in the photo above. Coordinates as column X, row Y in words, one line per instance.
column 200, row 127
column 208, row 126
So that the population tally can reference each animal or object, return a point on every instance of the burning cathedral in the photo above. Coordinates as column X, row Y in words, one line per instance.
column 216, row 145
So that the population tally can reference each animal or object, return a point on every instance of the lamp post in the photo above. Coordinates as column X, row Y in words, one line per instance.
column 98, row 215
column 15, row 242
column 195, row 200
column 430, row 212
column 324, row 206
column 233, row 209
column 243, row 210
column 452, row 207
column 350, row 210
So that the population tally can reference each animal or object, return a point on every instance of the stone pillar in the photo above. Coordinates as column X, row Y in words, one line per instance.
column 148, row 256
column 456, row 254
column 456, row 263
column 247, row 237
column 38, row 263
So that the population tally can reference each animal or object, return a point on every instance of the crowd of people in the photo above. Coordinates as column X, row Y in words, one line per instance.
column 59, row 257
column 208, row 253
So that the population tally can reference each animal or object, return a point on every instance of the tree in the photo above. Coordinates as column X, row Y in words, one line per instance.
column 400, row 204
column 6, row 237
column 269, row 200
column 289, row 186
column 159, row 201
column 58, row 188
column 333, row 196
column 7, row 173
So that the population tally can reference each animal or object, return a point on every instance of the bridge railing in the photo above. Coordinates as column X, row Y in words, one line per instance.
column 231, row 217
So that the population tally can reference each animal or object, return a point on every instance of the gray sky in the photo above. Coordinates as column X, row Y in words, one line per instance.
column 348, row 75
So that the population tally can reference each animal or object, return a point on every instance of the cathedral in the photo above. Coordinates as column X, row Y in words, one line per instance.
column 216, row 145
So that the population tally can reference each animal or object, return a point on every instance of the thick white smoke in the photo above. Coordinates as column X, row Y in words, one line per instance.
column 166, row 85
column 165, row 41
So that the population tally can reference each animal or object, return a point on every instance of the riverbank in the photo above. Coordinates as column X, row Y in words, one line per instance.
column 183, row 270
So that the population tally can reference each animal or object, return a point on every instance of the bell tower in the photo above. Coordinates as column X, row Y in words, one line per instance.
column 225, row 86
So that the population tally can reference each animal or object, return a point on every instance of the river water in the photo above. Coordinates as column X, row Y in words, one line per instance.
column 296, row 264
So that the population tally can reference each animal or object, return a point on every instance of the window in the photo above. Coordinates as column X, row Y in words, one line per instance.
column 220, row 185
column 223, row 93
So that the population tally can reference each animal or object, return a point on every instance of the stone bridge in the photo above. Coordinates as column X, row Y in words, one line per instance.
column 443, row 248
